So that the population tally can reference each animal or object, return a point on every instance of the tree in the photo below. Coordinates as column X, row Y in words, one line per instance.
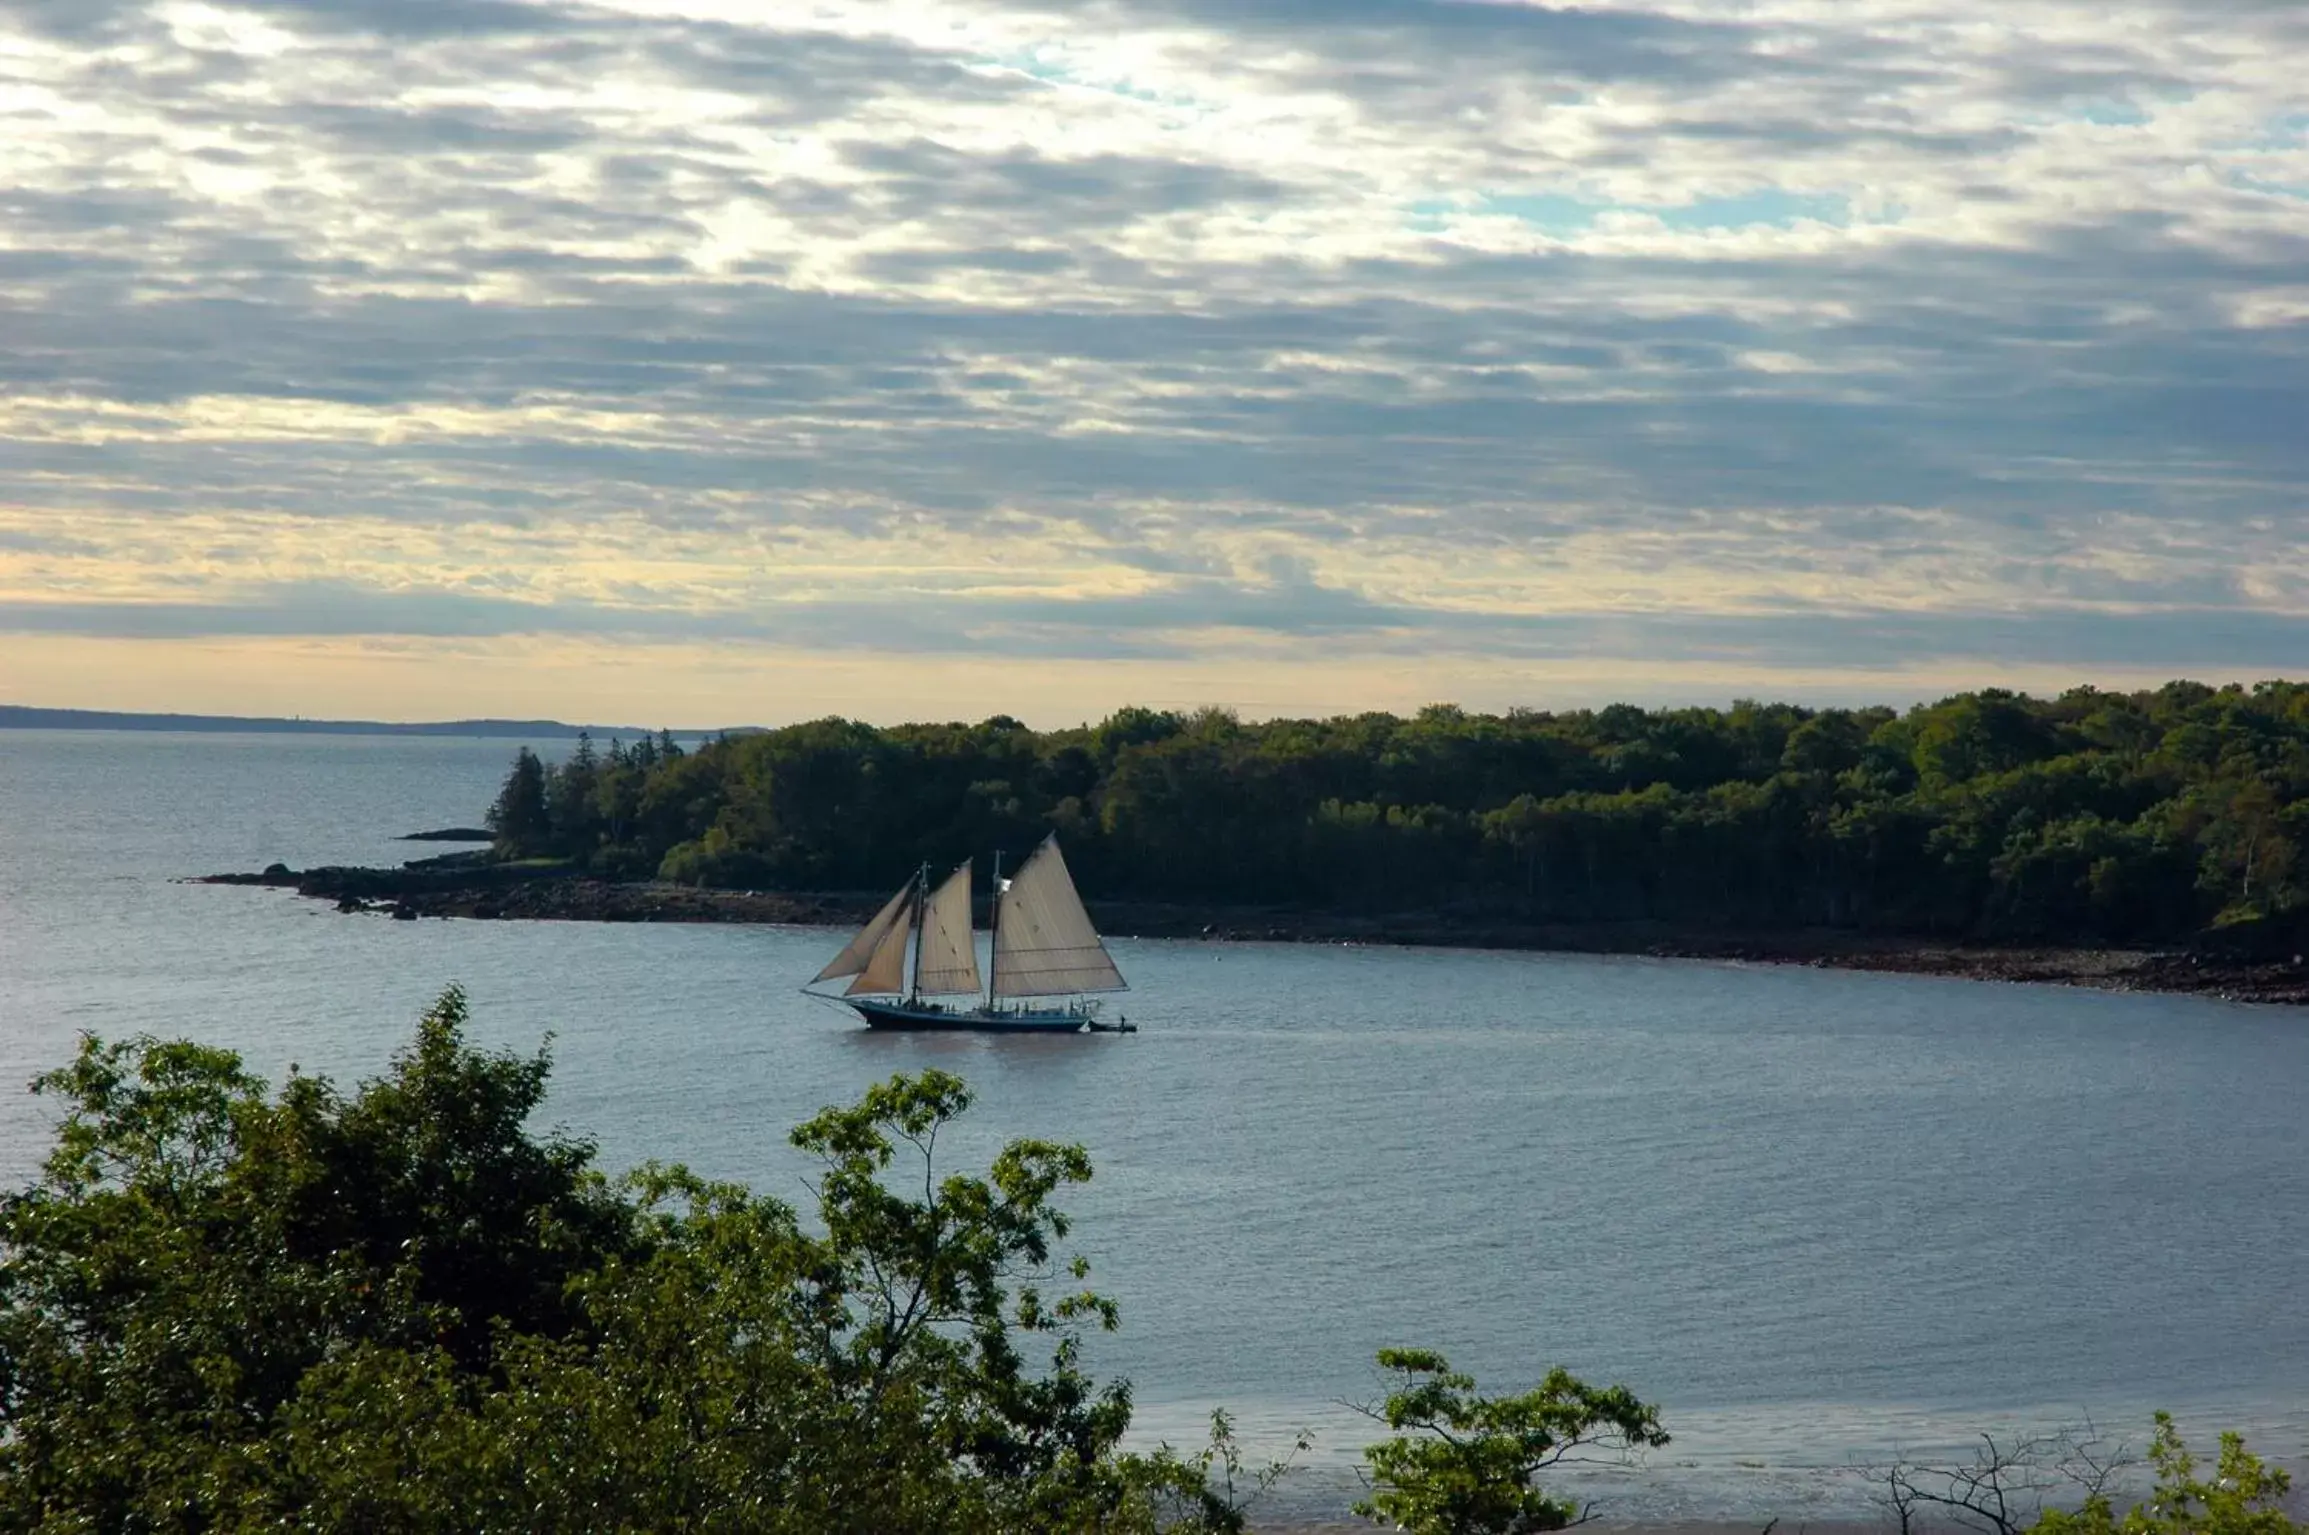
column 518, row 818
column 2061, row 1483
column 398, row 1310
column 194, row 1250
column 1212, row 1491
column 1463, row 1464
column 2244, row 1497
column 1828, row 743
column 2007, row 1485
column 2144, row 817
column 571, row 811
column 926, row 1299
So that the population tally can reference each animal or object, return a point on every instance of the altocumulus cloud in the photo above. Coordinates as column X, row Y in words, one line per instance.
column 1789, row 336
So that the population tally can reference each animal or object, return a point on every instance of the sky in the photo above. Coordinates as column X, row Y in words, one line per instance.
column 704, row 362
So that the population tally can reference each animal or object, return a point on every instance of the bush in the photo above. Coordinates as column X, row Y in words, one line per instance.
column 398, row 1310
column 1465, row 1464
column 2244, row 1496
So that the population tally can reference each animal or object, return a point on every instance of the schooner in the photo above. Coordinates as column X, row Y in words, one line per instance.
column 920, row 947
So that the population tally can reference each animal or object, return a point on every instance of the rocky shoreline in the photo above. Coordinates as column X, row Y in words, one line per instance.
column 471, row 885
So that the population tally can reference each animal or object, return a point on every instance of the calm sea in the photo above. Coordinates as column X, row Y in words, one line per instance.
column 1818, row 1216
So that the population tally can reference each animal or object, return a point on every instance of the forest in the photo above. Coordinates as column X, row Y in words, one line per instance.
column 2154, row 816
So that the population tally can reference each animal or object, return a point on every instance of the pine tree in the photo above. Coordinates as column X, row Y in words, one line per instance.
column 518, row 819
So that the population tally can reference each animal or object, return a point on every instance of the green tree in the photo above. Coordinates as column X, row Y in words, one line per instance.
column 1828, row 743
column 518, row 818
column 2242, row 1497
column 2148, row 817
column 193, row 1250
column 2060, row 1483
column 571, row 800
column 1461, row 1463
column 398, row 1310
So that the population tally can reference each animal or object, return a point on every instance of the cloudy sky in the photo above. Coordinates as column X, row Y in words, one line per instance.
column 716, row 360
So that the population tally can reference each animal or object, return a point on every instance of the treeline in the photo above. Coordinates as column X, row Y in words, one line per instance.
column 2091, row 816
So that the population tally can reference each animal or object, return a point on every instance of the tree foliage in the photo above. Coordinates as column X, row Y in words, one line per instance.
column 1461, row 1463
column 2094, row 816
column 2064, row 1483
column 518, row 818
column 398, row 1310
column 2242, row 1497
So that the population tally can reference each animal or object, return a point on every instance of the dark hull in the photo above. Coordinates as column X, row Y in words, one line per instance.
column 897, row 1015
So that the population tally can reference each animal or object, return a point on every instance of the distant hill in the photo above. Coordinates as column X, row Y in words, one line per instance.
column 15, row 717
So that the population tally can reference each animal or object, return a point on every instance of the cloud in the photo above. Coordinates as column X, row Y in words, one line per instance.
column 1670, row 327
column 419, row 19
column 1197, row 620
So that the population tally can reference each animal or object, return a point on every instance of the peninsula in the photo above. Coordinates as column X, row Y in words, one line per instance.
column 2146, row 840
column 22, row 717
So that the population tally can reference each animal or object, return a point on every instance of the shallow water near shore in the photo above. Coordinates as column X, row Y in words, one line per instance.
column 1817, row 1215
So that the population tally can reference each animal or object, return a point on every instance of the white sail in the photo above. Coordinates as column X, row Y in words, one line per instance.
column 945, row 958
column 885, row 969
column 854, row 958
column 1044, row 944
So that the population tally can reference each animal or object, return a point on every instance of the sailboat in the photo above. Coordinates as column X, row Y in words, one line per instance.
column 920, row 949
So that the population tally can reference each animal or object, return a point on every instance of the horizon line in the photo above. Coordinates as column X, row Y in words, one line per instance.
column 45, row 717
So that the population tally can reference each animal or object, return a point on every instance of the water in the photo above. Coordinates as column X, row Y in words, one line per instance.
column 1817, row 1215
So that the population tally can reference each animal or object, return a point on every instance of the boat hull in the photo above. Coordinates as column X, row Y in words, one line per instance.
column 976, row 1020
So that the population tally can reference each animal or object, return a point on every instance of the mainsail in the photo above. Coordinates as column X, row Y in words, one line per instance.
column 945, row 958
column 1044, row 944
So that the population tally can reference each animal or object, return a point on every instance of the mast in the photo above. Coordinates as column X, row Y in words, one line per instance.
column 914, row 967
column 994, row 929
column 945, row 951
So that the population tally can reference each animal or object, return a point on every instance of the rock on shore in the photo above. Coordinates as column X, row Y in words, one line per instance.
column 468, row 885
column 472, row 885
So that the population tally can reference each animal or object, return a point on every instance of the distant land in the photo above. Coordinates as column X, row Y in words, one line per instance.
column 17, row 717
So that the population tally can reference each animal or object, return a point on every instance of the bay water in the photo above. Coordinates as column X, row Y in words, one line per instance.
column 1821, row 1217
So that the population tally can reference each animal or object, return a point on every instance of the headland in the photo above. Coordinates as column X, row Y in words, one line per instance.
column 473, row 886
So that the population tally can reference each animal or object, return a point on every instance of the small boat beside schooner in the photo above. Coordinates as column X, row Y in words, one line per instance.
column 921, row 947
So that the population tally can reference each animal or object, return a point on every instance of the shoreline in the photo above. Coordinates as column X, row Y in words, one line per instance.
column 1600, row 1524
column 467, row 885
